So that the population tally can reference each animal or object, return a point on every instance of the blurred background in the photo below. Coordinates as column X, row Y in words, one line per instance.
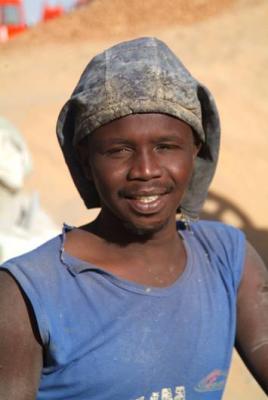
column 224, row 43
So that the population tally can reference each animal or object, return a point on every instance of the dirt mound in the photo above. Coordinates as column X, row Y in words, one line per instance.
column 114, row 18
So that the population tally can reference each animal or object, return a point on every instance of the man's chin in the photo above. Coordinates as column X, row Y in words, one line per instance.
column 144, row 231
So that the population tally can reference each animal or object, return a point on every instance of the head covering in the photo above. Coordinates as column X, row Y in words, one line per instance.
column 140, row 76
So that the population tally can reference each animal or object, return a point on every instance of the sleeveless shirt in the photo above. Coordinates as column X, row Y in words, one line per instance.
column 105, row 338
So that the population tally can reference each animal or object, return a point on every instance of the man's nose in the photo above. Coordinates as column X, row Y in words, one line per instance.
column 144, row 166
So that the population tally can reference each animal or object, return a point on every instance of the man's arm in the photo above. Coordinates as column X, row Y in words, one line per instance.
column 252, row 317
column 20, row 351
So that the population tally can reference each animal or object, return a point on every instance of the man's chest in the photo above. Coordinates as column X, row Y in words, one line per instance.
column 125, row 344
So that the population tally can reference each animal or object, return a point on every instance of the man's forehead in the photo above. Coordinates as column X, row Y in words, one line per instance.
column 146, row 121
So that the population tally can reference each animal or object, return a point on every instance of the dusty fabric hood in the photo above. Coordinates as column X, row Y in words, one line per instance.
column 140, row 76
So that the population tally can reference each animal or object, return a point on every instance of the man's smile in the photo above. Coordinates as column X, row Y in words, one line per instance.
column 147, row 199
column 146, row 194
column 147, row 204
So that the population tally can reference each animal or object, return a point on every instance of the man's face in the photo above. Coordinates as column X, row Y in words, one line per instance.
column 141, row 165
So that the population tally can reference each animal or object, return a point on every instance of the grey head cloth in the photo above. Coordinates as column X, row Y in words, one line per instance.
column 140, row 76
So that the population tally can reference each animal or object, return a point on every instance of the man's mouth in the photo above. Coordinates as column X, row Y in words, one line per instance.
column 146, row 203
column 146, row 194
column 146, row 199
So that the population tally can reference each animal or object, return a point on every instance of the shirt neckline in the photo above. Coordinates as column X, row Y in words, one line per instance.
column 77, row 266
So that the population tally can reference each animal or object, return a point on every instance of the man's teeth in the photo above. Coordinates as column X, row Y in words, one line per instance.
column 147, row 199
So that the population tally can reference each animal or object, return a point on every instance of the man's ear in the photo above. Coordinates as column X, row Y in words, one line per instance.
column 82, row 150
column 197, row 148
column 197, row 144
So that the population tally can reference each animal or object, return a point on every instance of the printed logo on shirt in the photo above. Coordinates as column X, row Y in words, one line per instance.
column 214, row 381
column 167, row 394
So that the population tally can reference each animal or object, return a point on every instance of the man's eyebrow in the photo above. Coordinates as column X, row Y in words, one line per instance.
column 116, row 140
column 167, row 138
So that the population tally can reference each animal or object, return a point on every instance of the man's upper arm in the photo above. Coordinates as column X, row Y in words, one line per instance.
column 252, row 317
column 20, row 350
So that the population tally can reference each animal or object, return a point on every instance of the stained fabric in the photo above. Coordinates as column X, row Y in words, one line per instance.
column 140, row 76
column 106, row 338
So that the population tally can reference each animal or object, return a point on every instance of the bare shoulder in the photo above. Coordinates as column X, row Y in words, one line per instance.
column 252, row 316
column 253, row 288
column 20, row 348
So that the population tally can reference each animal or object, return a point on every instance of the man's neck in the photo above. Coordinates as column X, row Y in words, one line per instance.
column 155, row 259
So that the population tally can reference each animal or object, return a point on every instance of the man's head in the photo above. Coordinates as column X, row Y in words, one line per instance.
column 139, row 77
column 141, row 165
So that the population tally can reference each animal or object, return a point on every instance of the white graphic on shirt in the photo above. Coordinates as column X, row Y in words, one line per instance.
column 167, row 394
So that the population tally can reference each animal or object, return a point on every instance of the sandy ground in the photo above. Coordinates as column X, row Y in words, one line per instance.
column 223, row 43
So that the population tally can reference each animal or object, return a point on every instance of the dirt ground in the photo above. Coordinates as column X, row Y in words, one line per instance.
column 224, row 43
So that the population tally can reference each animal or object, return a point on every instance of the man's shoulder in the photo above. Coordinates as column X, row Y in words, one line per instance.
column 45, row 253
column 218, row 237
column 218, row 229
column 223, row 242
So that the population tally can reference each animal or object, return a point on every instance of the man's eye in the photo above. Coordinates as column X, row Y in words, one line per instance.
column 118, row 151
column 167, row 146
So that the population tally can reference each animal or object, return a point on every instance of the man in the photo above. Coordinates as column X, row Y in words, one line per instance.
column 133, row 306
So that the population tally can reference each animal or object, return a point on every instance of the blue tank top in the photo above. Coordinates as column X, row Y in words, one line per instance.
column 110, row 339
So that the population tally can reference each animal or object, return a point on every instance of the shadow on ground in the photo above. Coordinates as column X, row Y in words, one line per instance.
column 222, row 209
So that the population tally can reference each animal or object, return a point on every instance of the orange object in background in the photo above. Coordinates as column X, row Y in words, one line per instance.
column 12, row 18
column 50, row 12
